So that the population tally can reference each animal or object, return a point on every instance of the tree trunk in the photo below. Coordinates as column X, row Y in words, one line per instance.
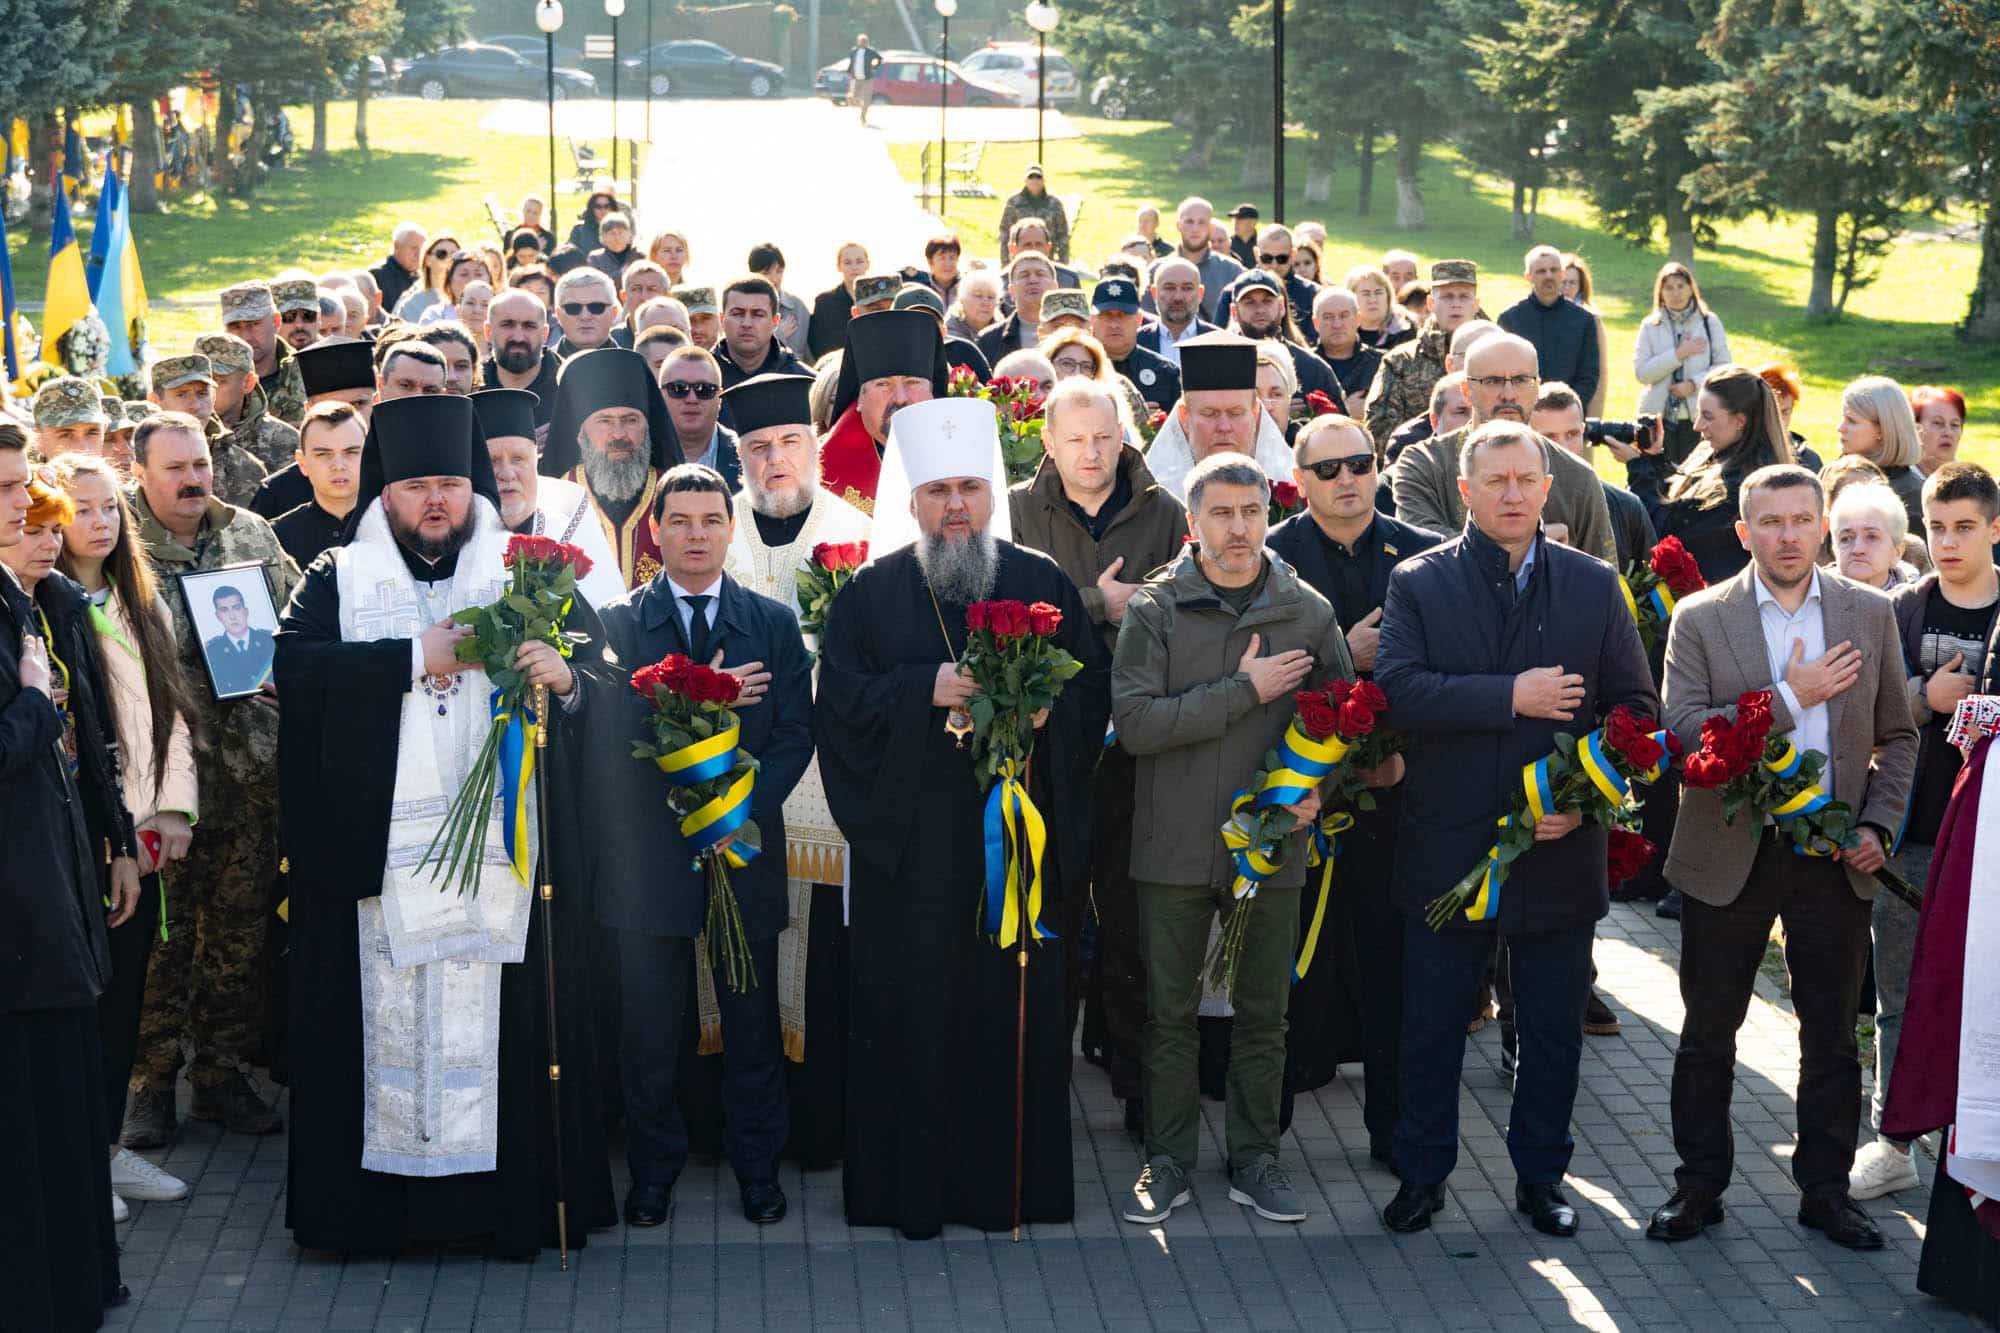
column 1524, row 225
column 1409, row 186
column 1825, row 259
column 1982, row 314
column 1200, row 155
column 1256, row 172
column 1364, row 188
column 1680, row 233
column 142, row 183
column 317, row 153
column 361, row 117
column 1323, row 159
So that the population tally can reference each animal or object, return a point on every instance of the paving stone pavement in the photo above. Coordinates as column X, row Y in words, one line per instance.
column 223, row 1259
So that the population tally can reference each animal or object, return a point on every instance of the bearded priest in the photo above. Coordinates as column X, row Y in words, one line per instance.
column 931, row 1051
column 610, row 434
column 423, row 1116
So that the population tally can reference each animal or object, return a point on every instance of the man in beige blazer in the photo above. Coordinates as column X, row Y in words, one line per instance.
column 1828, row 651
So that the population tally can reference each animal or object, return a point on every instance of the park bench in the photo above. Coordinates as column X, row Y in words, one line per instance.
column 589, row 166
column 964, row 165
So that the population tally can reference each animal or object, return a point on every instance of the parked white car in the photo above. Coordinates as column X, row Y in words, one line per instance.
column 1013, row 65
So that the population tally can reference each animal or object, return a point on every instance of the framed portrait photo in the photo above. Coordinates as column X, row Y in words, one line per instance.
column 235, row 622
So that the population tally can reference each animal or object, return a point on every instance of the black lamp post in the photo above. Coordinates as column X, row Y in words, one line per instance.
column 649, row 71
column 614, row 8
column 549, row 18
column 1042, row 17
column 1278, row 109
column 945, row 9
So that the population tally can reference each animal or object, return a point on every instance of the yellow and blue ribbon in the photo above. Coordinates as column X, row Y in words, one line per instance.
column 1302, row 763
column 1321, row 849
column 1541, row 795
column 1015, row 838
column 722, row 815
column 516, row 767
column 1809, row 801
column 1485, row 904
column 1662, row 600
column 704, row 759
column 1630, row 604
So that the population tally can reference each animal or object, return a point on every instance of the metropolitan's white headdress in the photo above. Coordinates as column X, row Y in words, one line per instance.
column 930, row 441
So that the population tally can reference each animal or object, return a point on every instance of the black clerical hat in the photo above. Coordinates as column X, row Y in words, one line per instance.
column 505, row 412
column 592, row 381
column 1218, row 361
column 427, row 435
column 891, row 342
column 331, row 367
column 770, row 400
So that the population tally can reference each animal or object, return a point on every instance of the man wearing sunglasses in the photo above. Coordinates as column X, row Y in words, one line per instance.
column 299, row 312
column 1345, row 549
column 250, row 311
column 1273, row 253
column 691, row 378
column 586, row 308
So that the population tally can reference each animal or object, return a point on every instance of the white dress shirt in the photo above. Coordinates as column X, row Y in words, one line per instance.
column 1170, row 344
column 681, row 608
column 1812, row 728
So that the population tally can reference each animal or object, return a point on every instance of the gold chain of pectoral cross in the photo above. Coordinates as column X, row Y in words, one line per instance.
column 958, row 720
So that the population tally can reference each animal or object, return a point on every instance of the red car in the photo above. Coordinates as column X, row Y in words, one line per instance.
column 908, row 79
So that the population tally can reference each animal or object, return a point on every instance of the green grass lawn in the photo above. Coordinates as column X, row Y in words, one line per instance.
column 431, row 164
column 1755, row 278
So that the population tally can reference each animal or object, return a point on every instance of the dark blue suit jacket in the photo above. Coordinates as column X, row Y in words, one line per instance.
column 642, row 873
column 1299, row 542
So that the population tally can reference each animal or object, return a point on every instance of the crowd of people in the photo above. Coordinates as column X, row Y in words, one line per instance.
column 240, row 680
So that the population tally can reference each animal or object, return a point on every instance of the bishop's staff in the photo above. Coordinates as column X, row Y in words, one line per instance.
column 547, row 897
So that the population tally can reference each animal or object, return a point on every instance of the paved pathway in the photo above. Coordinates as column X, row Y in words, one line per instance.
column 223, row 1260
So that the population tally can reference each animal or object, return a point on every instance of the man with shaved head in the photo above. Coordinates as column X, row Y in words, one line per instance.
column 517, row 353
column 1176, row 299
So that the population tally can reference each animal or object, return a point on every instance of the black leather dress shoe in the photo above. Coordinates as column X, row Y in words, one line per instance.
column 1546, row 1207
column 763, row 1201
column 1686, row 1215
column 649, row 1205
column 1412, row 1207
column 1841, row 1219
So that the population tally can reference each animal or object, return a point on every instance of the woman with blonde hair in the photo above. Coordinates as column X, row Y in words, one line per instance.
column 1876, row 422
column 1074, row 352
column 669, row 249
column 1382, row 322
column 1277, row 385
column 151, row 711
column 832, row 308
column 977, row 305
column 1578, row 284
column 1678, row 344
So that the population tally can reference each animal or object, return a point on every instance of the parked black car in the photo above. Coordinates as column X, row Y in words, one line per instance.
column 697, row 67
column 531, row 47
column 475, row 70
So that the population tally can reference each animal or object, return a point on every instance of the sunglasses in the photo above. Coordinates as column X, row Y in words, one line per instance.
column 1263, row 258
column 685, row 388
column 1326, row 469
column 300, row 317
column 585, row 307
column 443, row 252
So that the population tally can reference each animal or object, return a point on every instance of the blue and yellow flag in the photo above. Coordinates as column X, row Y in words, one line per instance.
column 10, row 359
column 121, row 295
column 68, row 296
column 100, row 233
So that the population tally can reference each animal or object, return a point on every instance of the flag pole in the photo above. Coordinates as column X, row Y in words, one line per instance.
column 547, row 897
column 1021, row 1014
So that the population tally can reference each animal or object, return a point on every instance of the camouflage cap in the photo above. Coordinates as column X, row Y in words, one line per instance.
column 69, row 401
column 1065, row 303
column 295, row 294
column 249, row 300
column 1454, row 270
column 876, row 287
column 135, row 412
column 916, row 296
column 227, row 354
column 170, row 372
column 113, row 407
column 698, row 300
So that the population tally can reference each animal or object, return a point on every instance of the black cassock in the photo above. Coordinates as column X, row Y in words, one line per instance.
column 930, row 1077
column 336, row 775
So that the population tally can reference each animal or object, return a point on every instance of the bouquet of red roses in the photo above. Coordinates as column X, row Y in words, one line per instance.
column 1319, row 403
column 542, row 574
column 1010, row 653
column 693, row 735
column 1593, row 777
column 1347, row 713
column 1286, row 500
column 1750, row 769
column 1652, row 589
column 1625, row 855
column 832, row 564
column 1149, row 429
column 1018, row 404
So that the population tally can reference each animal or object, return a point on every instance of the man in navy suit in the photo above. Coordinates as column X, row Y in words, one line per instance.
column 648, row 891
column 239, row 657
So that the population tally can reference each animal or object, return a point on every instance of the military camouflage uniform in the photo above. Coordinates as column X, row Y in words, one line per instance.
column 1044, row 206
column 1404, row 380
column 238, row 474
column 205, row 983
column 285, row 392
column 265, row 438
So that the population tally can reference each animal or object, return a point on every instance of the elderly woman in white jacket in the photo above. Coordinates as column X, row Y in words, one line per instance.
column 156, row 759
column 1681, row 341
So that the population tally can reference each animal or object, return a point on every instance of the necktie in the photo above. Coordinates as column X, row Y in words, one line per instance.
column 698, row 648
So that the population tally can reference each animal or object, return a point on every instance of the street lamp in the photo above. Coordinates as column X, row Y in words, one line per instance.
column 1278, row 109
column 548, row 18
column 1042, row 17
column 649, row 71
column 945, row 9
column 614, row 8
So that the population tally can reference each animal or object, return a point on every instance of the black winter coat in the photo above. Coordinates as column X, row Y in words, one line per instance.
column 1565, row 339
column 1455, row 634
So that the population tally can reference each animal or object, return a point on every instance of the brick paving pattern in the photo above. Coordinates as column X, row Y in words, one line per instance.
column 223, row 1259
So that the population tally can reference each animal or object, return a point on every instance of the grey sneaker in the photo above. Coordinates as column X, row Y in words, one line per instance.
column 1162, row 1187
column 1264, row 1186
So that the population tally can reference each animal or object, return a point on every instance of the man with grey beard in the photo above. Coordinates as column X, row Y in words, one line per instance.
column 609, row 432
column 932, row 1000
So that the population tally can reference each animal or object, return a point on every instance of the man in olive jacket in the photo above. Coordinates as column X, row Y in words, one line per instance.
column 1492, row 645
column 1095, row 509
column 1209, row 655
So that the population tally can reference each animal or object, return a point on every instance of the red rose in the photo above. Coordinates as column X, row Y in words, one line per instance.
column 725, row 687
column 1043, row 619
column 1626, row 854
column 1285, row 495
column 1157, row 419
column 1014, row 620
column 975, row 615
column 857, row 554
column 1356, row 719
column 1369, row 693
column 1631, row 737
column 1319, row 718
column 1706, row 769
column 1339, row 691
column 1319, row 405
column 1676, row 568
